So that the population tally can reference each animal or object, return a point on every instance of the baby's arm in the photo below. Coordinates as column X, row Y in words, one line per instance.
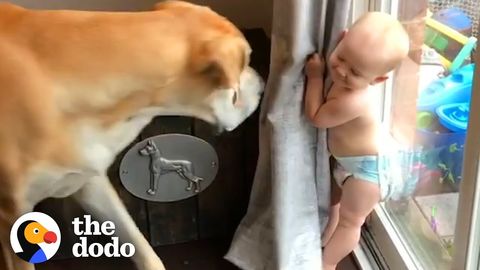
column 336, row 110
column 314, row 89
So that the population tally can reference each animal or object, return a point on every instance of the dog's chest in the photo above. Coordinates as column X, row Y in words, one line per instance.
column 96, row 147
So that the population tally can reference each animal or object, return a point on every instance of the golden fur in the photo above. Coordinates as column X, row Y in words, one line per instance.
column 64, row 69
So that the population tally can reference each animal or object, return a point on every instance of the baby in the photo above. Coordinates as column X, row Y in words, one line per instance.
column 374, row 45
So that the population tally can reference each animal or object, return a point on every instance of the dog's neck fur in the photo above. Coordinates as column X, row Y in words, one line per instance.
column 120, row 107
column 108, row 105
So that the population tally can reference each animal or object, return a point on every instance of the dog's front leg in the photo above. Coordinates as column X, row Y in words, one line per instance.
column 10, row 212
column 154, row 178
column 10, row 260
column 99, row 198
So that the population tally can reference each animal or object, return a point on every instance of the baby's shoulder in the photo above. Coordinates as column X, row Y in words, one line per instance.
column 344, row 93
column 357, row 101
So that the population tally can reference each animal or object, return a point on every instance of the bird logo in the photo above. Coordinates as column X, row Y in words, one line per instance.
column 35, row 237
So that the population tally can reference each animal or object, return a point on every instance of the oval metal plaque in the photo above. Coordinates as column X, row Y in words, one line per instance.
column 169, row 167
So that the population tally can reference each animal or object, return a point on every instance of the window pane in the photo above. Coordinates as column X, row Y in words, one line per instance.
column 428, row 116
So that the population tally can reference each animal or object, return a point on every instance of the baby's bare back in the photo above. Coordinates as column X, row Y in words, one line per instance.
column 358, row 136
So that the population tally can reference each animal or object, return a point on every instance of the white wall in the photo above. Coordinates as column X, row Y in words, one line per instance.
column 244, row 13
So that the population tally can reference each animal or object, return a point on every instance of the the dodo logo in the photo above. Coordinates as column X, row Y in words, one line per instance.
column 35, row 237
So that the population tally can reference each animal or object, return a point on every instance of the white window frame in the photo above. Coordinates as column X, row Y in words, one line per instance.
column 387, row 244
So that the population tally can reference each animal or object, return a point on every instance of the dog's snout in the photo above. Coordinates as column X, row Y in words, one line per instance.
column 261, row 85
column 251, row 79
column 228, row 115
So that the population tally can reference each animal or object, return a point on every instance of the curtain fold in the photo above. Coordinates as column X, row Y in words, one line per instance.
column 290, row 196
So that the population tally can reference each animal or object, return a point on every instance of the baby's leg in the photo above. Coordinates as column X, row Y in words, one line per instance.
column 334, row 215
column 358, row 200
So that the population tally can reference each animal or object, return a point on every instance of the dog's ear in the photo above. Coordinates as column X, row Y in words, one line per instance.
column 214, row 70
column 222, row 60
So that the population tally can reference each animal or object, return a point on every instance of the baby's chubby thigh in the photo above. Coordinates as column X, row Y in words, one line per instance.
column 359, row 197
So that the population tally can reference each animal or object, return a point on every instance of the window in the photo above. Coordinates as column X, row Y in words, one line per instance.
column 426, row 109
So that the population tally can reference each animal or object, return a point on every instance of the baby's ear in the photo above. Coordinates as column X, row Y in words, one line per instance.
column 379, row 79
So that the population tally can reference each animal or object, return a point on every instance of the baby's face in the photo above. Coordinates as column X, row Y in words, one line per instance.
column 353, row 65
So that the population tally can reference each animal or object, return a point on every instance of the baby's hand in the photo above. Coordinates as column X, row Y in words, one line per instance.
column 315, row 66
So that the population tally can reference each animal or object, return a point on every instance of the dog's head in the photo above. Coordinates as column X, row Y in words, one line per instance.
column 218, row 85
column 149, row 149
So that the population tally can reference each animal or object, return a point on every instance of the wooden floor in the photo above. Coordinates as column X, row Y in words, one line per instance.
column 196, row 255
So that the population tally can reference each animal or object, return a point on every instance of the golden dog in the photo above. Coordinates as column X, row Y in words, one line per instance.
column 78, row 86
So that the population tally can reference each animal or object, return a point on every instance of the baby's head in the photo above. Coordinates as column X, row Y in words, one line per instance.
column 373, row 46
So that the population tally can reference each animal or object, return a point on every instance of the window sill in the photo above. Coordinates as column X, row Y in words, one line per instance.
column 363, row 257
column 387, row 245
